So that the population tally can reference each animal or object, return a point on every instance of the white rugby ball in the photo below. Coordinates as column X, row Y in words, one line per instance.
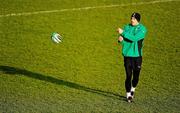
column 57, row 38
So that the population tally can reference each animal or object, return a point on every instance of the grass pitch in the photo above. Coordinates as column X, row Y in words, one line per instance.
column 85, row 73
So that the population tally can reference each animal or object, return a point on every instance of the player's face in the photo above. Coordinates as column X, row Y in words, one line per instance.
column 134, row 21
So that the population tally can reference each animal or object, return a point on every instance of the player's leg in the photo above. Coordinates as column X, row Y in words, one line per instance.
column 128, row 68
column 136, row 73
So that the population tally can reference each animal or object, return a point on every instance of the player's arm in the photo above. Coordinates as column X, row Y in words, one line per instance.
column 120, row 31
column 138, row 36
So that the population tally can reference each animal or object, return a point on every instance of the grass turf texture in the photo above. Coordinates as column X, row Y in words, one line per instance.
column 85, row 73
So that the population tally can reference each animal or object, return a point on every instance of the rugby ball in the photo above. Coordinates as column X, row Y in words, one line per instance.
column 57, row 38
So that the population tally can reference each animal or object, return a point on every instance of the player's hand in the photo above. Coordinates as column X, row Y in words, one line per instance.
column 119, row 30
column 120, row 38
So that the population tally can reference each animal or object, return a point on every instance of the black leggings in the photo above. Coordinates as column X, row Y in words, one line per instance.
column 132, row 66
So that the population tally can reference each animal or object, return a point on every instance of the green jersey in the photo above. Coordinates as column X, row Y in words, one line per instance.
column 133, row 37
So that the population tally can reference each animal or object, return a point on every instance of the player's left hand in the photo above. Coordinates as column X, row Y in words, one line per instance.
column 119, row 30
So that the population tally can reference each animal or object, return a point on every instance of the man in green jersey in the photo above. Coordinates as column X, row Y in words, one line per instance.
column 131, row 38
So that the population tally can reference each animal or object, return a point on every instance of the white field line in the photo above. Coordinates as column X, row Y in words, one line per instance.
column 85, row 8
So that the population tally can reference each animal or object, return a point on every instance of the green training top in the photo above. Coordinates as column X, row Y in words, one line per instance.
column 133, row 37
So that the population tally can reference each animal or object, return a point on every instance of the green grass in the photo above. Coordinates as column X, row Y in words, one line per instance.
column 85, row 73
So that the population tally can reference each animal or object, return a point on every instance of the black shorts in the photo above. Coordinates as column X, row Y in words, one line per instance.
column 133, row 62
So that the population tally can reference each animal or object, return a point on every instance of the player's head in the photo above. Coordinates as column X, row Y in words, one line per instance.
column 135, row 18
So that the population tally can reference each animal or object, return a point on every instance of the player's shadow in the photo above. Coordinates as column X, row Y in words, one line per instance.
column 18, row 71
